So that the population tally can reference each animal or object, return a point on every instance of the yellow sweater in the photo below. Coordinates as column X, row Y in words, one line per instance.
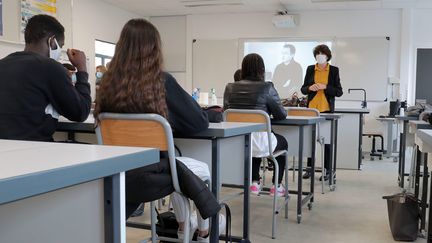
column 319, row 101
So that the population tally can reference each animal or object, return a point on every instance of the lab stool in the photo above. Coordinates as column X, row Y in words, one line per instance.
column 375, row 152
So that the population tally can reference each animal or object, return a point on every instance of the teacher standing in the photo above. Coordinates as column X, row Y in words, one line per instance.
column 322, row 85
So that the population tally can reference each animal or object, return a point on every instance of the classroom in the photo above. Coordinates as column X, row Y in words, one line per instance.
column 172, row 120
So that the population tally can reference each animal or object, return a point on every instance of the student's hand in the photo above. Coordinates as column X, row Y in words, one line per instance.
column 78, row 59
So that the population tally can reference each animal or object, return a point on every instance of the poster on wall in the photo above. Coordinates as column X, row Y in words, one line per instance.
column 1, row 17
column 29, row 8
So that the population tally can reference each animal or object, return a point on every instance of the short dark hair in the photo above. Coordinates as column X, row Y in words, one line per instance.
column 291, row 47
column 237, row 75
column 41, row 26
column 324, row 49
column 253, row 67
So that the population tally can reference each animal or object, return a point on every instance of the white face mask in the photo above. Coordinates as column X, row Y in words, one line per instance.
column 54, row 53
column 99, row 74
column 321, row 58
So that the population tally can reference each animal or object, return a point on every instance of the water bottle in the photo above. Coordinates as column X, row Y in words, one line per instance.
column 197, row 94
column 213, row 98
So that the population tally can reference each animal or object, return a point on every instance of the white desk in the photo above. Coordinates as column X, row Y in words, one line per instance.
column 351, row 127
column 225, row 143
column 55, row 192
column 390, row 123
column 302, row 128
column 423, row 139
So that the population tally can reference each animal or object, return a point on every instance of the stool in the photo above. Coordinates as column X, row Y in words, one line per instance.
column 376, row 152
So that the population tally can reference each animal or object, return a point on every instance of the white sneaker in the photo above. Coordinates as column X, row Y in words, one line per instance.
column 255, row 188
column 222, row 225
column 193, row 227
column 280, row 191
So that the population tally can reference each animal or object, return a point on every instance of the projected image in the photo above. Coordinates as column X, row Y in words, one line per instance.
column 285, row 62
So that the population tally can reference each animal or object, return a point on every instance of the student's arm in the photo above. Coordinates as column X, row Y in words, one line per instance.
column 308, row 81
column 274, row 104
column 227, row 93
column 184, row 113
column 336, row 89
column 72, row 102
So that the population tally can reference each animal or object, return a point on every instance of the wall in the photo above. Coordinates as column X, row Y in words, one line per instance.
column 96, row 20
column 83, row 20
column 314, row 24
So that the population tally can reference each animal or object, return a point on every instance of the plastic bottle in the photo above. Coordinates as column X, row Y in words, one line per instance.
column 213, row 98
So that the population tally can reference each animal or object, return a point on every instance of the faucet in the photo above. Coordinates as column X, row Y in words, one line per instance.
column 364, row 103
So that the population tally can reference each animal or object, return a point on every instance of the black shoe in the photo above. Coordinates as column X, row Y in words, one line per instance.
column 326, row 177
column 307, row 175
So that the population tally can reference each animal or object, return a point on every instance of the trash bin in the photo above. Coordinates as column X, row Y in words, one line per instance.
column 404, row 214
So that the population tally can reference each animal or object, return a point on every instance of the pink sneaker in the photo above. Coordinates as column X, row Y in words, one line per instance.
column 255, row 188
column 280, row 191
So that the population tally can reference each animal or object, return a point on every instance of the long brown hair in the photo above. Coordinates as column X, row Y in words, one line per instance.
column 134, row 81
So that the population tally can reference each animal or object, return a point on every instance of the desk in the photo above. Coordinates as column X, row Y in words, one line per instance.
column 348, row 156
column 402, row 147
column 333, row 118
column 216, row 133
column 423, row 139
column 390, row 122
column 300, row 122
column 39, row 180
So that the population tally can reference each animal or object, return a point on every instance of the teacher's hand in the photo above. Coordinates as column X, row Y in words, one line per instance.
column 322, row 86
column 314, row 87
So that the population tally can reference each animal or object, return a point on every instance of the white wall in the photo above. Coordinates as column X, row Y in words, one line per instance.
column 96, row 20
column 84, row 21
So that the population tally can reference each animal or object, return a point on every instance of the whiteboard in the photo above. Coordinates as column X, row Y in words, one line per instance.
column 363, row 63
column 214, row 63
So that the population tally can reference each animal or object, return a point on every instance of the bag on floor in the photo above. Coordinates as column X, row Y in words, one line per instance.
column 166, row 225
column 404, row 215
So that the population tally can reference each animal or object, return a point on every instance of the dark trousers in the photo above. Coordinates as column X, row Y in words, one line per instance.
column 327, row 151
column 282, row 144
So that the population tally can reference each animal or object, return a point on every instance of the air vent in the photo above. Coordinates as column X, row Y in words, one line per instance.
column 210, row 3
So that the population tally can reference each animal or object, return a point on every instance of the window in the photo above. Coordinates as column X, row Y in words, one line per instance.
column 104, row 52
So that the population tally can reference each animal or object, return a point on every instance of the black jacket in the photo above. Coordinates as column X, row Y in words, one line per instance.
column 334, row 88
column 154, row 181
column 29, row 82
column 255, row 95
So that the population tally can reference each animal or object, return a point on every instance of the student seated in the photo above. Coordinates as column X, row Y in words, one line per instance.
column 135, row 83
column 34, row 86
column 252, row 92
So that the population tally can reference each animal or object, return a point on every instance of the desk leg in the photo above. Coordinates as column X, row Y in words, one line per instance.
column 429, row 232
column 300, row 176
column 424, row 192
column 335, row 148
column 360, row 148
column 389, row 151
column 246, row 195
column 312, row 184
column 402, row 155
column 332, row 155
column 114, row 208
column 215, row 173
column 417, row 172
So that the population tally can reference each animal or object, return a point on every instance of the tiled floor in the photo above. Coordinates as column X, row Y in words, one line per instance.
column 355, row 212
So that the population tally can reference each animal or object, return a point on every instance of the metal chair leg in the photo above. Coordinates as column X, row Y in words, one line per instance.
column 323, row 170
column 276, row 184
column 153, row 221
column 293, row 168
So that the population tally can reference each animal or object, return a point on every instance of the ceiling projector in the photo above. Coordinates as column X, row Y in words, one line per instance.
column 285, row 21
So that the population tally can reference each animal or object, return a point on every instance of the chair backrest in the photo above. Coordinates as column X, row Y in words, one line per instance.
column 302, row 111
column 250, row 116
column 138, row 130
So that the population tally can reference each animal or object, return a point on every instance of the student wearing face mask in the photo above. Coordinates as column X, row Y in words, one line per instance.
column 35, row 85
column 100, row 71
column 322, row 85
